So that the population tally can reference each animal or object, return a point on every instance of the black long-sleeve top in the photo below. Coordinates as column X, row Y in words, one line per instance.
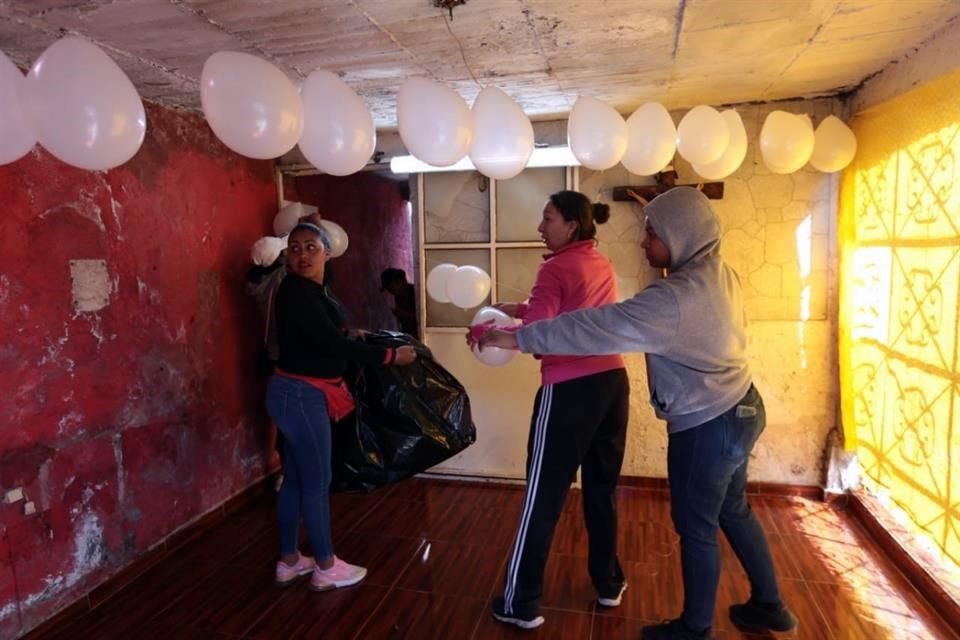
column 312, row 337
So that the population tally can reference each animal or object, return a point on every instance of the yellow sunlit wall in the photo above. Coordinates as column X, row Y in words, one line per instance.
column 900, row 252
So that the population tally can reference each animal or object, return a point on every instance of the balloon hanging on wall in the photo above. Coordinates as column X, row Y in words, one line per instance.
column 502, row 136
column 468, row 286
column 287, row 218
column 596, row 133
column 834, row 145
column 435, row 123
column 651, row 140
column 17, row 135
column 82, row 106
column 731, row 159
column 251, row 105
column 702, row 135
column 786, row 141
column 493, row 356
column 338, row 133
column 438, row 279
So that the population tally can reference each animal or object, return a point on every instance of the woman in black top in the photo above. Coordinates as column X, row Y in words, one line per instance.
column 306, row 391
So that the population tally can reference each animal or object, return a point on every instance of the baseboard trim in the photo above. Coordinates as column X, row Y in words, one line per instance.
column 753, row 488
column 149, row 559
column 939, row 599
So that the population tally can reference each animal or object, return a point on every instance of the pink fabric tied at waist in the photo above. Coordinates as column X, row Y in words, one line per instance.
column 339, row 400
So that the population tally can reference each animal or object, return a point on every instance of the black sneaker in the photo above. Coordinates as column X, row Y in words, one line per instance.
column 520, row 619
column 757, row 616
column 673, row 630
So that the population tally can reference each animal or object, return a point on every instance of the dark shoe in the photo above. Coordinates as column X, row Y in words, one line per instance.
column 757, row 616
column 524, row 620
column 673, row 630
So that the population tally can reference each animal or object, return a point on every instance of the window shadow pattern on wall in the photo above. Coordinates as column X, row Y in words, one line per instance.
column 900, row 247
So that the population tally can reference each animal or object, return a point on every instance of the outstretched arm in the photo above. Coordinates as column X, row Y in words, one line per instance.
column 646, row 322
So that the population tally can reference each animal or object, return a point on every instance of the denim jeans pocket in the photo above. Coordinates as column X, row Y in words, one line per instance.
column 740, row 433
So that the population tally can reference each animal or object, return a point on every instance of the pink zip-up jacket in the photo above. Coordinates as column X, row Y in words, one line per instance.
column 575, row 277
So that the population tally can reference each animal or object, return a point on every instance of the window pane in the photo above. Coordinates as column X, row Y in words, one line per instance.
column 520, row 202
column 440, row 314
column 516, row 272
column 456, row 207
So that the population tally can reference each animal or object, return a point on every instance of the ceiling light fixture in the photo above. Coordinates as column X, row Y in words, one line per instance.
column 559, row 156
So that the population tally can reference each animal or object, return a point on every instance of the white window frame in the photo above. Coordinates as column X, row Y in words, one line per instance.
column 572, row 181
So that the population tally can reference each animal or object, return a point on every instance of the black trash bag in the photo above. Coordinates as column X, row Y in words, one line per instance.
column 408, row 419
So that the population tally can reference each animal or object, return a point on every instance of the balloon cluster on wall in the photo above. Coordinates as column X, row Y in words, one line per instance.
column 76, row 102
column 267, row 249
column 465, row 287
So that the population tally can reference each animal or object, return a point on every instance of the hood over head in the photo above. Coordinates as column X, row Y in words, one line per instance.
column 686, row 223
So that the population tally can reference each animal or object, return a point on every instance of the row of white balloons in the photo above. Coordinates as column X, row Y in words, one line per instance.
column 83, row 109
column 714, row 143
column 76, row 102
column 465, row 287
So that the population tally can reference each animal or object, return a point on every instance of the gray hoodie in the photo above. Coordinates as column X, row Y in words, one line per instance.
column 690, row 324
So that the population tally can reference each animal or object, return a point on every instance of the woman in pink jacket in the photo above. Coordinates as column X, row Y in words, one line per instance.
column 579, row 416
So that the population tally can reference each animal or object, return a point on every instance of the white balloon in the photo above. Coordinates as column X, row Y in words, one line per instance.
column 596, row 133
column 287, row 218
column 502, row 135
column 250, row 104
column 732, row 158
column 83, row 108
column 468, row 286
column 652, row 140
column 17, row 135
column 786, row 141
column 266, row 250
column 834, row 145
column 437, row 281
column 493, row 356
column 339, row 241
column 702, row 135
column 435, row 123
column 338, row 134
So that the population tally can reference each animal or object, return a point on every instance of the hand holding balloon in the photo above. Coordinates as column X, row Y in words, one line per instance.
column 499, row 339
column 485, row 321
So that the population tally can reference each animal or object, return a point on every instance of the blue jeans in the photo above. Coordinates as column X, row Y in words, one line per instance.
column 707, row 467
column 300, row 413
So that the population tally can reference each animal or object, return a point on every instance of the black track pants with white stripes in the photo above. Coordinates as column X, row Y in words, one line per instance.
column 577, row 423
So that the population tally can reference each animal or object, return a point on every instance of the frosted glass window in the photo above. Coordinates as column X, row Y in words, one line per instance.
column 441, row 314
column 456, row 207
column 520, row 202
column 516, row 272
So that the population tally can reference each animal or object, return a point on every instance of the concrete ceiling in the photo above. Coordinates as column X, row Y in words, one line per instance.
column 544, row 53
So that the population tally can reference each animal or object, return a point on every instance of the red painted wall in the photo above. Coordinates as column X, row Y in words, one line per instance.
column 124, row 424
column 373, row 212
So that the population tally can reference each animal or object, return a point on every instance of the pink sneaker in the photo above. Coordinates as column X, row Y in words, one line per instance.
column 287, row 575
column 341, row 574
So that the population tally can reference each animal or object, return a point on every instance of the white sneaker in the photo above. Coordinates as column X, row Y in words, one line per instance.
column 613, row 602
column 341, row 574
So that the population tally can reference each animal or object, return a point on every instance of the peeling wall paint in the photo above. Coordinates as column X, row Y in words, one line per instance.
column 126, row 360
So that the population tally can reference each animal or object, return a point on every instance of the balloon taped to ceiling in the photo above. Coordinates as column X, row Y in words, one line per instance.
column 448, row 5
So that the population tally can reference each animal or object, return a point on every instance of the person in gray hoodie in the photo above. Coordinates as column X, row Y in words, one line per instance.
column 691, row 326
